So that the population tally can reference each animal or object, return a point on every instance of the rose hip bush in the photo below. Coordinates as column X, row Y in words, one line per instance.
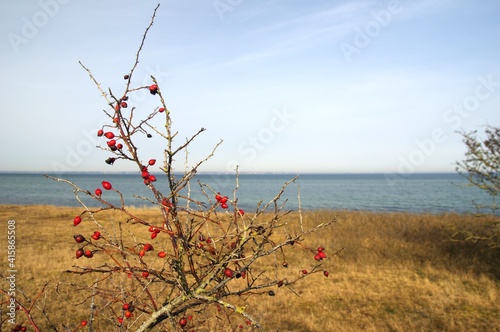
column 194, row 267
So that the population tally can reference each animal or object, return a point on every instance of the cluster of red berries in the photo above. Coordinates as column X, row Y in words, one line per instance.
column 121, row 104
column 222, row 200
column 145, row 248
column 112, row 144
column 148, row 178
column 320, row 254
column 106, row 185
column 154, row 231
column 149, row 247
column 80, row 239
column 81, row 252
column 212, row 250
column 128, row 309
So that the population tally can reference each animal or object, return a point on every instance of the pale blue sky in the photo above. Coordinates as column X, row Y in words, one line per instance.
column 290, row 86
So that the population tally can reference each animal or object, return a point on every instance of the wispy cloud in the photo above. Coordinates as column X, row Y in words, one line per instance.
column 302, row 32
column 412, row 9
column 317, row 18
column 321, row 27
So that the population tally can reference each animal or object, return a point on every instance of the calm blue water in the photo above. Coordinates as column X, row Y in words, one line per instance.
column 434, row 193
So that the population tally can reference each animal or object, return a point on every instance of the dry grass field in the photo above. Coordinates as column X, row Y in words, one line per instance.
column 397, row 272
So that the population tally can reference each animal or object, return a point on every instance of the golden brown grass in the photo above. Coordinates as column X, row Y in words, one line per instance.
column 398, row 272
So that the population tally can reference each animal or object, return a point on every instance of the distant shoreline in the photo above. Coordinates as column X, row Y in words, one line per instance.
column 304, row 211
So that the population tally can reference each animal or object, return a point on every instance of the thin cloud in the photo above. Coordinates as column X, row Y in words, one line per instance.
column 300, row 33
column 319, row 17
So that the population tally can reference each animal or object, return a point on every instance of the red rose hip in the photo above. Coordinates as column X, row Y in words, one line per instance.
column 228, row 272
column 96, row 236
column 153, row 89
column 109, row 135
column 79, row 253
column 106, row 185
column 79, row 238
column 77, row 220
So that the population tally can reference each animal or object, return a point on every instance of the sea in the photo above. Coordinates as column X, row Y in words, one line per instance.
column 415, row 193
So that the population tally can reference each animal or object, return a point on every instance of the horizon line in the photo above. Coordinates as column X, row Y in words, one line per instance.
column 231, row 173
